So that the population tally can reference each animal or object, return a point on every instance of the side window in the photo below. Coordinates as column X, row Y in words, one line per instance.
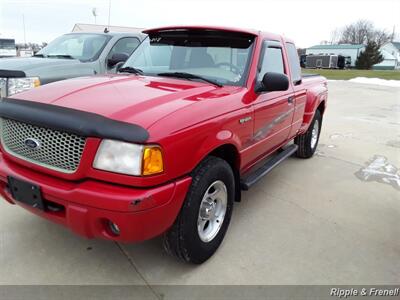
column 294, row 62
column 125, row 45
column 272, row 61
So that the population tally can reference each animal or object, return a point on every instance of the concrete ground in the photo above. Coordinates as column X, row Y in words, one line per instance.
column 332, row 219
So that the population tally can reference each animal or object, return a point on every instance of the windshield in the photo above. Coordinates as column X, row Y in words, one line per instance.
column 222, row 57
column 82, row 46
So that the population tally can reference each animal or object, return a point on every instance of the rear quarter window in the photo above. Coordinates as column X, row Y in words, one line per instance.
column 294, row 62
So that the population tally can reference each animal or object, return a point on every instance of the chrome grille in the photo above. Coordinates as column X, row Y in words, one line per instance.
column 58, row 150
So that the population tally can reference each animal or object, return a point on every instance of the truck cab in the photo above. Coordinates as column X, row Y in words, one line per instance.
column 68, row 56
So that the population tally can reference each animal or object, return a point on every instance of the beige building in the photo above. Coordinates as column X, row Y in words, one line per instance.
column 100, row 28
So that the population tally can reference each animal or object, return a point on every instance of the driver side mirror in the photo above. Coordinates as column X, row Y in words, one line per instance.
column 273, row 82
column 117, row 58
column 118, row 66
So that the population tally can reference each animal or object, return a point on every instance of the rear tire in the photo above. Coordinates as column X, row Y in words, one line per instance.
column 205, row 215
column 308, row 141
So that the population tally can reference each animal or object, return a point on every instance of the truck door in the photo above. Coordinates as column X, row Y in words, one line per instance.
column 300, row 92
column 273, row 111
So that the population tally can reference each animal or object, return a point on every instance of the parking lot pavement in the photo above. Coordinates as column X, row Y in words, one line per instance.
column 332, row 219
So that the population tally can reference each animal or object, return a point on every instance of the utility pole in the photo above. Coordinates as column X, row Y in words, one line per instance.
column 23, row 23
column 94, row 12
column 109, row 12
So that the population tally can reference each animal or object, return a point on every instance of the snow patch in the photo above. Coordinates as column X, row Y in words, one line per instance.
column 379, row 169
column 376, row 81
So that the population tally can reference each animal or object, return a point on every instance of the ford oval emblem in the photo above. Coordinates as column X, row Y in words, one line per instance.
column 33, row 144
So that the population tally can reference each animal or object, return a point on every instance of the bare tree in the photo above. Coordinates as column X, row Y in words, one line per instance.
column 357, row 33
column 381, row 36
column 360, row 32
column 335, row 36
column 34, row 46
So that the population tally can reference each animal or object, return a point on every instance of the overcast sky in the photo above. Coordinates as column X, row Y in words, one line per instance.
column 308, row 22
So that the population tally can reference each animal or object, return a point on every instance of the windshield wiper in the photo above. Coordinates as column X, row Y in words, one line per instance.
column 39, row 55
column 67, row 56
column 131, row 70
column 185, row 75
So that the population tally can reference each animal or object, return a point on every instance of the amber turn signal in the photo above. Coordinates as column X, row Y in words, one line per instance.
column 36, row 82
column 152, row 160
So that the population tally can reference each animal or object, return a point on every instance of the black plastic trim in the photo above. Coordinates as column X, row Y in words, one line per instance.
column 248, row 181
column 12, row 74
column 71, row 120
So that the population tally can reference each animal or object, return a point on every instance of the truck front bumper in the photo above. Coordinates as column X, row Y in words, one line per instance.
column 89, row 207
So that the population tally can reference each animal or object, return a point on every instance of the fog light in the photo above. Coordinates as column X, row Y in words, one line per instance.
column 113, row 228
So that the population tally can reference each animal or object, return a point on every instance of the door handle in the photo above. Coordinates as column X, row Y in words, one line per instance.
column 290, row 100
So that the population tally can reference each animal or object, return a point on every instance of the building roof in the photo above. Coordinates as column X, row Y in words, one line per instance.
column 396, row 44
column 341, row 46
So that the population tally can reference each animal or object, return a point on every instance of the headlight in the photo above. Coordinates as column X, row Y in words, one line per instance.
column 127, row 158
column 18, row 85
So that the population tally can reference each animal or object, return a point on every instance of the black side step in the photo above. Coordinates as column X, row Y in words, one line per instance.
column 252, row 178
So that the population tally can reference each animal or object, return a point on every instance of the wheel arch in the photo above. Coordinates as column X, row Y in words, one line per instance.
column 314, row 103
column 321, row 107
column 230, row 154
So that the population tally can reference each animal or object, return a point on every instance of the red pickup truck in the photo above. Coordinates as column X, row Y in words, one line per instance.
column 195, row 116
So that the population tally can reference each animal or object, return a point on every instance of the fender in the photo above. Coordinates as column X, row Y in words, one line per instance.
column 315, row 97
column 232, row 129
column 225, row 138
column 222, row 137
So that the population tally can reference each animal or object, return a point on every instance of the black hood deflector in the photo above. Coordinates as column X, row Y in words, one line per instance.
column 12, row 74
column 71, row 120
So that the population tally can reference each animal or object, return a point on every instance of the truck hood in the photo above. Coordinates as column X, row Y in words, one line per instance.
column 138, row 100
column 35, row 66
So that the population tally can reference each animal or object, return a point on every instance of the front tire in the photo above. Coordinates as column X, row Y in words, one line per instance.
column 205, row 215
column 308, row 141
